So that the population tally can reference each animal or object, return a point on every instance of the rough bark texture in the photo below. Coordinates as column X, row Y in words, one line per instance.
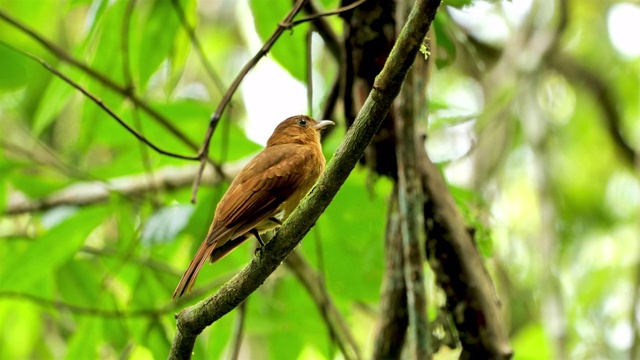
column 370, row 32
column 453, row 257
column 393, row 318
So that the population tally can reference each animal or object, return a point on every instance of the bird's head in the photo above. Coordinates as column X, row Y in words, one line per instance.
column 299, row 129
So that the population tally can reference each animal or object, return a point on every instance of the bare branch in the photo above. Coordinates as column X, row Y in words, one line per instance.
column 603, row 95
column 93, row 192
column 328, row 13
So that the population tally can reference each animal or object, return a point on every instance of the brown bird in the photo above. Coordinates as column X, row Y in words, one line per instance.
column 264, row 193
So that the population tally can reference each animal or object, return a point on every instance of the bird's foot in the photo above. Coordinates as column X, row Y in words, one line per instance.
column 257, row 235
column 258, row 250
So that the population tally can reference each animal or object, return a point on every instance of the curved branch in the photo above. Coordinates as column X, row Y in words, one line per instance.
column 328, row 13
column 603, row 95
column 112, row 313
column 98, row 102
column 193, row 320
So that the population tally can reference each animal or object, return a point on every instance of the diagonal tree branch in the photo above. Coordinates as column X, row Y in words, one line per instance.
column 98, row 102
column 193, row 320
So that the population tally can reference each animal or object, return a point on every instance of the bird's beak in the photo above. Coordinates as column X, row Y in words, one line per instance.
column 323, row 124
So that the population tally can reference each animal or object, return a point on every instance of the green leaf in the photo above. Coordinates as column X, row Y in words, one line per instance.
column 104, row 44
column 458, row 3
column 158, row 341
column 289, row 51
column 13, row 70
column 166, row 223
column 85, row 340
column 78, row 282
column 447, row 50
column 141, row 353
column 530, row 343
column 42, row 258
column 363, row 213
column 20, row 329
column 54, row 100
column 36, row 187
column 4, row 169
column 161, row 28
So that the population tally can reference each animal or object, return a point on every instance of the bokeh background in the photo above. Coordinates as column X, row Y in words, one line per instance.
column 534, row 120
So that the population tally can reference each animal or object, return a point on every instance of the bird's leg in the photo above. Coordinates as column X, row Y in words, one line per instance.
column 276, row 220
column 257, row 235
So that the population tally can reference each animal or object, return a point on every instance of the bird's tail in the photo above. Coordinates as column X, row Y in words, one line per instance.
column 189, row 277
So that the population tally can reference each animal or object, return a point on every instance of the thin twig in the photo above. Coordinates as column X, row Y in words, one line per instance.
column 115, row 314
column 325, row 31
column 89, row 311
column 328, row 13
column 604, row 96
column 98, row 102
column 309, row 63
column 215, row 118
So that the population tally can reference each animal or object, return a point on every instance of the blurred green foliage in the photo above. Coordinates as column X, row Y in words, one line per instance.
column 526, row 145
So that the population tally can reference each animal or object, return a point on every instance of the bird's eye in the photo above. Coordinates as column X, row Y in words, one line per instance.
column 302, row 122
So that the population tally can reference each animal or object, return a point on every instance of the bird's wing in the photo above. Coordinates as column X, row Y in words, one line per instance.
column 263, row 188
column 255, row 195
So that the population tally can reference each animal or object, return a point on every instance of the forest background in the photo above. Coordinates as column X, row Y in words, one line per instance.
column 529, row 109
